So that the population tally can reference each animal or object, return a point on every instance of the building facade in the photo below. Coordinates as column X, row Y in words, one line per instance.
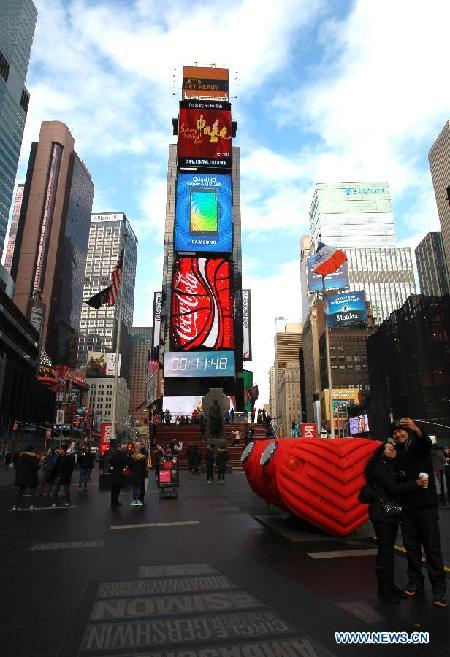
column 141, row 344
column 357, row 217
column 432, row 266
column 286, row 379
column 101, row 392
column 13, row 227
column 409, row 367
column 197, row 386
column 439, row 159
column 109, row 234
column 51, row 241
column 17, row 25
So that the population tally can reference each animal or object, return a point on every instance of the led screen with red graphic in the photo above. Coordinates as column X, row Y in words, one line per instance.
column 204, row 134
column 201, row 304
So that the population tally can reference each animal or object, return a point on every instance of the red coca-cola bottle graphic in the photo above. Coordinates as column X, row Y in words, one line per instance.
column 201, row 305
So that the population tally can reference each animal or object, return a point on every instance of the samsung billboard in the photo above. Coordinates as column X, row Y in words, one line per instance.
column 199, row 364
column 347, row 309
column 203, row 215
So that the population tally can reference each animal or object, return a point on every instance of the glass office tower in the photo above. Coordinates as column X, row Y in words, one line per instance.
column 357, row 217
column 17, row 24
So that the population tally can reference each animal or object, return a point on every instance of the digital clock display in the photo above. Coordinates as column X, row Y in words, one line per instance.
column 198, row 364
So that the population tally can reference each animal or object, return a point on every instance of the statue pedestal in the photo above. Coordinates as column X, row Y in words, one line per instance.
column 215, row 404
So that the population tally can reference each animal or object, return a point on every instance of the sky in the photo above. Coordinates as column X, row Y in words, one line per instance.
column 322, row 90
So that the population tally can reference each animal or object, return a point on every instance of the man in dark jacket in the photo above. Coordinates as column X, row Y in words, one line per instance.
column 65, row 464
column 116, row 460
column 420, row 520
column 209, row 462
column 26, row 475
column 86, row 461
column 221, row 462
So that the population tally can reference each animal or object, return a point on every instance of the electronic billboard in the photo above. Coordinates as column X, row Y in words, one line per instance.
column 204, row 134
column 205, row 82
column 198, row 364
column 347, row 309
column 338, row 280
column 203, row 214
column 201, row 314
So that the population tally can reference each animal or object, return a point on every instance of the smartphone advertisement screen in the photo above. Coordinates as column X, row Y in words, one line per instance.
column 203, row 214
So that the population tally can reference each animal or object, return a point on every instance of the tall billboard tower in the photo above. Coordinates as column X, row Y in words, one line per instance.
column 201, row 312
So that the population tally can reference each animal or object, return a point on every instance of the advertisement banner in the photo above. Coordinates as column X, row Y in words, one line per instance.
column 246, row 323
column 111, row 364
column 100, row 365
column 342, row 398
column 199, row 364
column 154, row 387
column 347, row 309
column 157, row 299
column 105, row 436
column 201, row 306
column 60, row 416
column 204, row 134
column 203, row 215
column 338, row 280
column 308, row 430
column 358, row 424
column 205, row 82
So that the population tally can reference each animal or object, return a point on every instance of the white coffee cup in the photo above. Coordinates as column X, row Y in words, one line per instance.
column 424, row 475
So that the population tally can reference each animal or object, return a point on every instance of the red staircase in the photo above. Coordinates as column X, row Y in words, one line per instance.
column 190, row 433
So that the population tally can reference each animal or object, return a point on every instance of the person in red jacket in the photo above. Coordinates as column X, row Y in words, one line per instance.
column 27, row 467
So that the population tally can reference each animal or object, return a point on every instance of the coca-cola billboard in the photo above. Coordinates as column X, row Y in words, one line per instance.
column 201, row 304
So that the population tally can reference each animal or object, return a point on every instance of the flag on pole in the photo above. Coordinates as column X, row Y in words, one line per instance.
column 108, row 296
column 328, row 259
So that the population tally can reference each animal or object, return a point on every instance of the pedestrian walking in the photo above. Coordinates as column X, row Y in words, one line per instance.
column 64, row 466
column 232, row 415
column 86, row 462
column 27, row 467
column 209, row 462
column 420, row 519
column 221, row 462
column 117, row 462
column 382, row 492
column 46, row 473
column 137, row 464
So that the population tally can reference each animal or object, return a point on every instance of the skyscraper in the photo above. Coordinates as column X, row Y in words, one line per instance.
column 141, row 343
column 201, row 335
column 51, row 241
column 17, row 24
column 286, row 385
column 13, row 228
column 432, row 266
column 109, row 233
column 439, row 159
column 357, row 217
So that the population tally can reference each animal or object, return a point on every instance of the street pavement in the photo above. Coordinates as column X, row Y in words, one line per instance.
column 213, row 573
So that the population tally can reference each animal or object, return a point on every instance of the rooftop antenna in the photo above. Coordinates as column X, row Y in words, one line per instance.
column 236, row 84
column 174, row 76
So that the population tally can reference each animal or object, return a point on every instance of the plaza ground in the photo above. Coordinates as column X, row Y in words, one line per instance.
column 214, row 573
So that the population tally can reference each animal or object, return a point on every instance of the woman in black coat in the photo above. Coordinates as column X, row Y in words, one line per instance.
column 383, row 489
column 137, row 464
column 26, row 475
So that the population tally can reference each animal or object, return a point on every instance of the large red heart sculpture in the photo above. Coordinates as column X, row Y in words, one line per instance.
column 318, row 480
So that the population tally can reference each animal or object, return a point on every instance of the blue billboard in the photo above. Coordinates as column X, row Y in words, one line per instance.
column 347, row 309
column 338, row 280
column 203, row 213
column 198, row 364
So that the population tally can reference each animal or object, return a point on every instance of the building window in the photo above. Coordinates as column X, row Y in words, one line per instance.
column 24, row 100
column 4, row 68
